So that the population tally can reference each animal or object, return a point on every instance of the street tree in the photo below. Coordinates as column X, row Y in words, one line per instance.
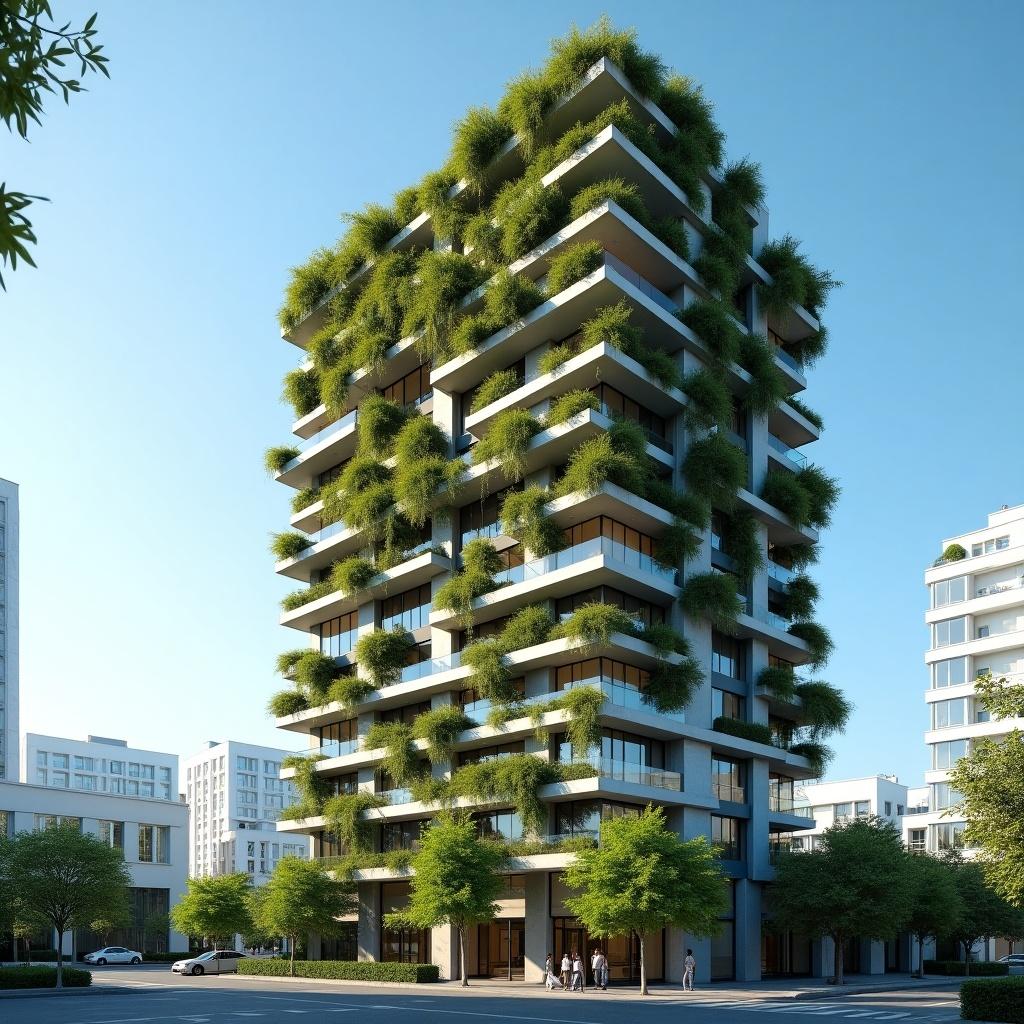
column 455, row 883
column 991, row 781
column 214, row 908
column 855, row 883
column 62, row 879
column 37, row 56
column 643, row 877
column 935, row 904
column 984, row 911
column 300, row 898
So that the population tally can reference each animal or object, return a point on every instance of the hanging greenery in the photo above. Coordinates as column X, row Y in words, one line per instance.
column 572, row 403
column 343, row 817
column 311, row 786
column 287, row 702
column 767, row 387
column 498, row 385
column 780, row 680
column 712, row 595
column 350, row 691
column 507, row 441
column 672, row 685
column 742, row 541
column 302, row 391
column 383, row 654
column 480, row 564
column 573, row 264
column 715, row 469
column 277, row 458
column 594, row 624
column 824, row 709
column 524, row 518
column 288, row 545
column 395, row 739
column 710, row 401
column 818, row 640
column 441, row 727
column 379, row 421
column 801, row 596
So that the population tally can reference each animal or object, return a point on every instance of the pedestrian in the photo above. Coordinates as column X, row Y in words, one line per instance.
column 577, row 973
column 549, row 977
column 566, row 968
column 599, row 965
column 689, row 969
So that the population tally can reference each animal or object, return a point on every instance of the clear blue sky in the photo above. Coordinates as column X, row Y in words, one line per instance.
column 141, row 361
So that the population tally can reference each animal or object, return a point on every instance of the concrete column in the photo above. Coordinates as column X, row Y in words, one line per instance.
column 368, row 934
column 872, row 956
column 538, row 925
column 444, row 950
column 756, row 839
column 748, row 930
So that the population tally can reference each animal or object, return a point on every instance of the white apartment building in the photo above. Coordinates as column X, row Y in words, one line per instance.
column 828, row 803
column 976, row 620
column 8, row 629
column 153, row 835
column 99, row 764
column 235, row 796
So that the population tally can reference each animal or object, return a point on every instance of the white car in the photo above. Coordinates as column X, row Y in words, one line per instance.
column 113, row 955
column 215, row 961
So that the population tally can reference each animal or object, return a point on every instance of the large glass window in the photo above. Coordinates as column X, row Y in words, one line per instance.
column 949, row 713
column 727, row 705
column 338, row 635
column 727, row 656
column 584, row 817
column 616, row 404
column 409, row 610
column 411, row 390
column 947, row 753
column 943, row 796
column 492, row 753
column 951, row 672
column 406, row 714
column 400, row 835
column 154, row 844
column 949, row 631
column 483, row 518
column 643, row 611
column 504, row 825
column 780, row 793
column 605, row 669
column 727, row 779
column 725, row 833
column 949, row 592
column 948, row 835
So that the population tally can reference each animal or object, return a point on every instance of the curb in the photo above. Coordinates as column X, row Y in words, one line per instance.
column 46, row 993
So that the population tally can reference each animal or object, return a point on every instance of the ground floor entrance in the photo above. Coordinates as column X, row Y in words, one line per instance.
column 497, row 950
column 623, row 952
column 784, row 954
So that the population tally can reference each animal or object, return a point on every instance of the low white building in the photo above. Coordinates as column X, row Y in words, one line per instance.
column 827, row 803
column 99, row 764
column 152, row 833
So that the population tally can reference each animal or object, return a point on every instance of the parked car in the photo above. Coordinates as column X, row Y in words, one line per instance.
column 214, row 961
column 1013, row 959
column 113, row 955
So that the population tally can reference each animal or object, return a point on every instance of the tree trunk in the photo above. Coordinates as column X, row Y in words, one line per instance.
column 837, row 942
column 643, row 966
column 462, row 957
column 294, row 940
column 967, row 958
column 60, row 958
column 920, row 956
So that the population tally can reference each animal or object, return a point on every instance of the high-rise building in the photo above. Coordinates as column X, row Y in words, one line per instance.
column 9, row 527
column 235, row 795
column 548, row 443
column 99, row 764
column 976, row 621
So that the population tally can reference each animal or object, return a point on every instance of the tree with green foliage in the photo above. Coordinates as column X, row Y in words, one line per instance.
column 214, row 908
column 34, row 52
column 154, row 928
column 62, row 879
column 991, row 780
column 301, row 898
column 643, row 877
column 855, row 883
column 936, row 905
column 456, row 881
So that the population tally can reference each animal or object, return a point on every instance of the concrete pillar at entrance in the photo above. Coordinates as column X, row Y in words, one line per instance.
column 872, row 956
column 369, row 921
column 823, row 958
column 748, row 929
column 537, row 943
column 444, row 950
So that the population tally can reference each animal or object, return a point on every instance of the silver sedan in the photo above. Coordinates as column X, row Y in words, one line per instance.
column 222, row 961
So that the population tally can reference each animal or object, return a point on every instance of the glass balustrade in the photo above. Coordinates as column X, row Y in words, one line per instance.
column 615, row 550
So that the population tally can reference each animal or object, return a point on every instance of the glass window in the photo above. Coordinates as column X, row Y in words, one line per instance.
column 409, row 610
column 338, row 635
column 943, row 796
column 862, row 808
column 60, row 761
column 615, row 404
column 112, row 834
column 949, row 713
column 947, row 753
column 727, row 705
column 643, row 611
column 841, row 812
column 948, row 835
column 411, row 390
column 41, row 758
column 727, row 779
column 917, row 840
column 949, row 592
column 951, row 672
column 725, row 833
column 727, row 656
column 949, row 631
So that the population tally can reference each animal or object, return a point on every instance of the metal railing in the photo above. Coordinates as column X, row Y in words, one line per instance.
column 792, row 454
column 638, row 774
column 997, row 588
column 640, row 283
column 332, row 428
column 334, row 748
column 780, row 572
column 727, row 791
column 423, row 669
column 619, row 695
column 630, row 557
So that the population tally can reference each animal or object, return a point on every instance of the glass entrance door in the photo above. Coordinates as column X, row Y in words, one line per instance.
column 500, row 947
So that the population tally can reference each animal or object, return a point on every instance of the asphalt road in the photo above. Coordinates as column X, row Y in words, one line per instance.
column 152, row 995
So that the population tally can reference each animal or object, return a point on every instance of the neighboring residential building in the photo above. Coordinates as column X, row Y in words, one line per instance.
column 235, row 795
column 828, row 803
column 8, row 630
column 733, row 784
column 153, row 835
column 98, row 764
column 976, row 620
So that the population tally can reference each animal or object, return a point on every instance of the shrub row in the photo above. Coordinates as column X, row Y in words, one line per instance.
column 984, row 968
column 344, row 970
column 42, row 977
column 1000, row 999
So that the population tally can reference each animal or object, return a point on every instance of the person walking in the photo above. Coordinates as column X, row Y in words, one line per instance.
column 599, row 964
column 689, row 969
column 566, row 969
column 577, row 973
column 549, row 976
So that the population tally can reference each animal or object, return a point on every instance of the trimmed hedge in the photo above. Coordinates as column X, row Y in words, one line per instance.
column 981, row 969
column 42, row 977
column 46, row 955
column 999, row 999
column 343, row 970
column 755, row 731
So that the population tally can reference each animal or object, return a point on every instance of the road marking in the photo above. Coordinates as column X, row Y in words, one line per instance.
column 434, row 1009
column 246, row 1013
column 296, row 1011
column 890, row 1016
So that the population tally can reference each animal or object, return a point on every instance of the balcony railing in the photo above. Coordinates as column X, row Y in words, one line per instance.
column 791, row 453
column 423, row 669
column 780, row 572
column 640, row 283
column 332, row 428
column 619, row 695
column 1000, row 588
column 580, row 834
column 655, row 439
column 639, row 774
column 727, row 791
column 782, row 804
column 488, row 532
column 630, row 557
column 334, row 748
column 396, row 796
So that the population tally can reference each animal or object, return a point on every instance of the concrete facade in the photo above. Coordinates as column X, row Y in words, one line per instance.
column 9, row 569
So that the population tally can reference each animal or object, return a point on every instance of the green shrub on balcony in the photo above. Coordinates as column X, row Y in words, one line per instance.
column 277, row 458
column 304, row 498
column 678, row 543
column 573, row 264
column 825, row 709
column 594, row 624
column 491, row 677
column 685, row 103
column 716, row 327
column 523, row 106
column 819, row 642
column 418, row 485
column 480, row 564
column 315, row 591
column 571, row 404
column 352, row 575
column 312, row 787
column 343, row 816
column 383, row 654
column 673, row 234
column 287, row 702
column 953, row 553
column 715, row 469
column 286, row 661
column 313, row 673
column 783, row 490
column 507, row 441
column 794, row 279
column 818, row 754
column 380, row 420
column 478, row 138
column 334, row 384
column 309, row 283
column 445, row 212
column 754, row 731
column 806, row 411
column 671, row 686
column 288, row 545
column 395, row 739
column 823, row 493
column 441, row 727
column 555, row 357
column 721, row 262
column 619, row 455
column 529, row 627
column 712, row 595
column 710, row 401
column 372, row 228
column 508, row 298
column 382, row 304
column 583, row 706
column 497, row 385
column 742, row 186
column 665, row 639
column 574, row 55
column 511, row 780
column 615, row 190
column 781, row 681
column 302, row 391
column 523, row 517
column 801, row 595
column 350, row 691
column 767, row 387
column 612, row 324
column 743, row 542
column 527, row 213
